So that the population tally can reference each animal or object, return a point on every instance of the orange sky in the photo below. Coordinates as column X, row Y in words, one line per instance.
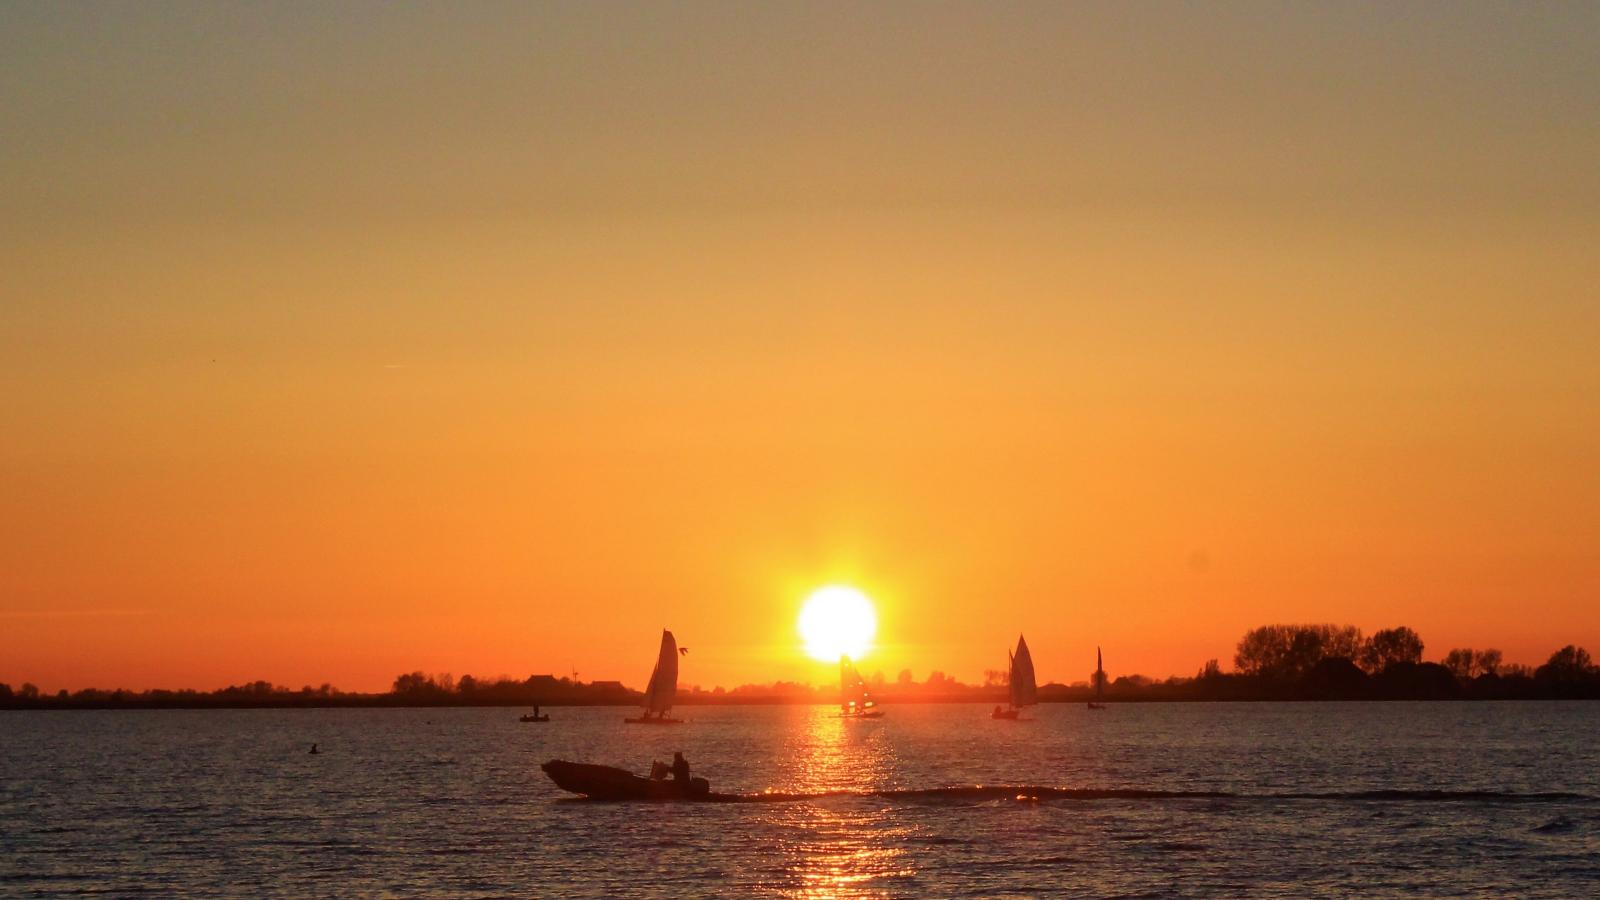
column 336, row 343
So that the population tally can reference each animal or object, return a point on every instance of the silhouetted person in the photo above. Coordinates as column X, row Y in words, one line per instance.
column 313, row 748
column 536, row 710
column 680, row 769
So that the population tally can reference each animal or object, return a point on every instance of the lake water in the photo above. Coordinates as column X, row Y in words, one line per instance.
column 1437, row 798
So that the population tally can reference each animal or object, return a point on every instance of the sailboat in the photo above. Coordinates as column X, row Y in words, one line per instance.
column 1024, row 692
column 854, row 703
column 663, row 688
column 1099, row 682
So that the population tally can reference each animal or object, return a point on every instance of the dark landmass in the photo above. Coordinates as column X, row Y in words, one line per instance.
column 1275, row 662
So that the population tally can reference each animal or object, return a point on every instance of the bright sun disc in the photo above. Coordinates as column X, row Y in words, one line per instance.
column 837, row 621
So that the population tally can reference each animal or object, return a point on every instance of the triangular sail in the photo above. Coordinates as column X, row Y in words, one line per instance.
column 663, row 689
column 1099, row 676
column 852, row 689
column 1024, row 691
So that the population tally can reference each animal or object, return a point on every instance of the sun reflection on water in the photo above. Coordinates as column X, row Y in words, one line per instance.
column 844, row 845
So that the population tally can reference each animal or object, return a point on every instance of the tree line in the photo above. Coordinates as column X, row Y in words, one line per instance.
column 1338, row 662
column 1272, row 662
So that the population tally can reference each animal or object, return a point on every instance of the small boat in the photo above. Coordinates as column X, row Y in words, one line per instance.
column 1024, row 690
column 663, row 687
column 611, row 783
column 1099, row 681
column 535, row 717
column 854, row 702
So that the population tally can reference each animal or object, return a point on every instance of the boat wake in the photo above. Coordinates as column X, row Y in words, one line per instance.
column 1040, row 793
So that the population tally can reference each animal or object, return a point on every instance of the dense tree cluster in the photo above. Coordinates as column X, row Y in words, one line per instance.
column 1336, row 662
column 1291, row 651
column 1467, row 663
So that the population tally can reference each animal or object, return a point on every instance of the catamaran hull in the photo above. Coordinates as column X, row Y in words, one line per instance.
column 611, row 783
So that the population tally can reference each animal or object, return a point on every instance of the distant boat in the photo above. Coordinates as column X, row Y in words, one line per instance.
column 1099, row 682
column 854, row 701
column 1024, row 690
column 535, row 716
column 663, row 688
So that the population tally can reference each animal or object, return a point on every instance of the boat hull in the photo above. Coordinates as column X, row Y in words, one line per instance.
column 544, row 718
column 611, row 783
column 1004, row 714
column 862, row 715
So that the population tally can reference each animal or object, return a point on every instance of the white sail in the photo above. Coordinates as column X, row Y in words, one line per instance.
column 1024, row 691
column 852, row 689
column 663, row 689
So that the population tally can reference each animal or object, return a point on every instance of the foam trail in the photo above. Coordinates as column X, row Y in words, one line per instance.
column 1029, row 793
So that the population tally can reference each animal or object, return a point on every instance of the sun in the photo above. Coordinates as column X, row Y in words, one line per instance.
column 837, row 621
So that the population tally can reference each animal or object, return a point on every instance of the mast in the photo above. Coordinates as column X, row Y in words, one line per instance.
column 1011, row 677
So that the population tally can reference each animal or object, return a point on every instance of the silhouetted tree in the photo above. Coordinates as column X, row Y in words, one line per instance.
column 467, row 684
column 1289, row 651
column 1567, row 668
column 28, row 691
column 417, row 683
column 1487, row 662
column 1467, row 664
column 995, row 678
column 1210, row 670
column 1389, row 646
column 905, row 678
column 1416, row 681
column 1333, row 678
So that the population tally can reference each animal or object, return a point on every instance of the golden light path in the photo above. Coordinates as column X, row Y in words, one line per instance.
column 837, row 621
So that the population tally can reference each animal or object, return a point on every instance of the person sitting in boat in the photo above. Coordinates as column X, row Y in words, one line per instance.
column 680, row 769
column 658, row 770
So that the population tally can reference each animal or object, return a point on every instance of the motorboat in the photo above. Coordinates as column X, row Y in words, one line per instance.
column 611, row 783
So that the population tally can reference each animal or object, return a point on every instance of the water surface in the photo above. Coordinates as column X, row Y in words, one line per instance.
column 1437, row 798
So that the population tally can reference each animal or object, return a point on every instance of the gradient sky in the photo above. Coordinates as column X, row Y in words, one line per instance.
column 340, row 340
